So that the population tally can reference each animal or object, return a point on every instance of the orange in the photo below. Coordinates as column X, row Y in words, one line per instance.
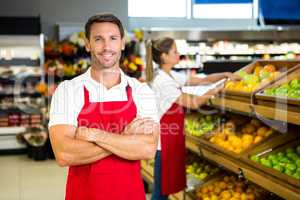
column 246, row 144
column 270, row 68
column 249, row 128
column 262, row 131
column 226, row 179
column 257, row 70
column 210, row 188
column 238, row 150
column 204, row 190
column 225, row 194
column 255, row 123
column 222, row 184
column 257, row 139
column 269, row 132
column 247, row 137
column 250, row 196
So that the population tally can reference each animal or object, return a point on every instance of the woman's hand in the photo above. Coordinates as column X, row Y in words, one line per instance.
column 232, row 76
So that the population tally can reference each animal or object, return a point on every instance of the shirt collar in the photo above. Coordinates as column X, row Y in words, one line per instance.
column 164, row 74
column 167, row 76
column 121, row 85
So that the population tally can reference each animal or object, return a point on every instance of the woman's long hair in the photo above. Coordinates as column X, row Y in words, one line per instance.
column 154, row 51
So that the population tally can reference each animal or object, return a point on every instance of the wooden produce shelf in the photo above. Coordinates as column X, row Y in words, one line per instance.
column 238, row 166
column 278, row 114
column 274, row 113
column 232, row 105
column 191, row 144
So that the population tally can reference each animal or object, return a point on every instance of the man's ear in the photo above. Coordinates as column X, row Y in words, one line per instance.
column 87, row 45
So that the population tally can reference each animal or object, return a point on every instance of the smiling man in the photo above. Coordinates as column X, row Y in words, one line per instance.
column 103, row 122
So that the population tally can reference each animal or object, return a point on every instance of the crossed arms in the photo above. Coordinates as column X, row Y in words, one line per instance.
column 81, row 145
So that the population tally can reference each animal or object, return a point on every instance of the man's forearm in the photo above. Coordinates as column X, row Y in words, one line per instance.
column 78, row 152
column 131, row 147
column 91, row 159
column 70, row 151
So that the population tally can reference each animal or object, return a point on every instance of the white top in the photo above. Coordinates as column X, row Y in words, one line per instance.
column 167, row 89
column 68, row 99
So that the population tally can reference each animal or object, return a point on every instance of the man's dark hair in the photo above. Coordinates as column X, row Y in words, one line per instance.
column 100, row 18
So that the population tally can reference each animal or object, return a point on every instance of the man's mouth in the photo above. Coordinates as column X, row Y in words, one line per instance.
column 107, row 55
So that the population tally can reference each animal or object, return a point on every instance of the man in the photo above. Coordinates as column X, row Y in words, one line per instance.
column 103, row 122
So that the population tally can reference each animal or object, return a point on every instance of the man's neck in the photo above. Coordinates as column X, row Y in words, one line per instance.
column 107, row 77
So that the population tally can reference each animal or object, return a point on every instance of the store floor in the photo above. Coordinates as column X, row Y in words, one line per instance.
column 24, row 179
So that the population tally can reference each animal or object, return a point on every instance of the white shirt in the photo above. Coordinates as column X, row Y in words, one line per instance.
column 167, row 89
column 68, row 98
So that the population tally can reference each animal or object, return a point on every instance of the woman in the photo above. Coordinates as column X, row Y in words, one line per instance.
column 169, row 169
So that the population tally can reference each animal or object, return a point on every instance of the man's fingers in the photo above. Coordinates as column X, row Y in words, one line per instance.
column 140, row 122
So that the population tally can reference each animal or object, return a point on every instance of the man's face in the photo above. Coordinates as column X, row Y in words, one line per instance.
column 105, row 44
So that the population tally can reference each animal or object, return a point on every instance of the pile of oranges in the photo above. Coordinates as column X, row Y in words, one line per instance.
column 230, row 139
column 228, row 187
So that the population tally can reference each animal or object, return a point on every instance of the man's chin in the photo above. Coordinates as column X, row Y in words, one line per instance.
column 105, row 66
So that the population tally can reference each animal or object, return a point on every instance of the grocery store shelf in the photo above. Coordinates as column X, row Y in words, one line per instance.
column 278, row 114
column 20, row 62
column 10, row 142
column 247, row 108
column 232, row 105
column 238, row 166
column 11, row 130
column 23, row 94
column 147, row 173
column 192, row 145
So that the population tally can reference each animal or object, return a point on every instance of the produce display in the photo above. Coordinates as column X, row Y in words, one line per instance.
column 287, row 161
column 290, row 90
column 201, row 170
column 197, row 125
column 229, row 187
column 237, row 139
column 252, row 81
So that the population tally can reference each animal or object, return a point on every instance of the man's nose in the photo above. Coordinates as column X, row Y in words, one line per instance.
column 106, row 44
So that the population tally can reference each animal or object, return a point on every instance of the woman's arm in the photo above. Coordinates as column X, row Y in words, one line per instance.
column 193, row 101
column 212, row 78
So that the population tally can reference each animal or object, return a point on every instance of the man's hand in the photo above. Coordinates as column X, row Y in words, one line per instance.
column 141, row 126
column 233, row 77
column 87, row 134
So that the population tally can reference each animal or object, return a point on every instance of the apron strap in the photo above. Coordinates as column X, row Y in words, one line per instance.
column 86, row 95
column 129, row 93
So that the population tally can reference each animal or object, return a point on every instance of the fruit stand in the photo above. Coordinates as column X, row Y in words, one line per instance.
column 254, row 135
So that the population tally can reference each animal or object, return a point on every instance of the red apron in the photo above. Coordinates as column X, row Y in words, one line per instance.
column 173, row 150
column 111, row 178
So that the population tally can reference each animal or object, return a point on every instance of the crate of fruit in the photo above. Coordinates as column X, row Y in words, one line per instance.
column 237, row 136
column 256, row 76
column 284, row 93
column 197, row 124
column 199, row 171
column 229, row 187
column 282, row 162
